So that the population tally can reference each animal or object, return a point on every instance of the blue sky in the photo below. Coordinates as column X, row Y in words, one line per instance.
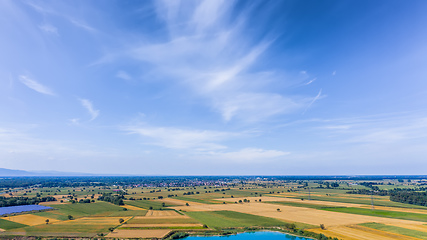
column 214, row 87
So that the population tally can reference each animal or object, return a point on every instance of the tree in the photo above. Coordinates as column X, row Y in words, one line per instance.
column 70, row 217
column 121, row 220
column 125, row 209
column 111, row 229
column 47, row 221
column 322, row 226
column 278, row 209
column 186, row 204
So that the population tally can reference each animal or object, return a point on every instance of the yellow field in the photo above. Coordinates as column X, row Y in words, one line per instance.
column 124, row 233
column 155, row 213
column 297, row 214
column 132, row 207
column 354, row 232
column 95, row 221
column 324, row 203
column 29, row 219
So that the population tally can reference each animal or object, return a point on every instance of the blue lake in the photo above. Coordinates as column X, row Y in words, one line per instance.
column 252, row 236
column 22, row 208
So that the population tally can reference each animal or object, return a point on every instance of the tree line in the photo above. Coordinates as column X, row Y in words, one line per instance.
column 17, row 201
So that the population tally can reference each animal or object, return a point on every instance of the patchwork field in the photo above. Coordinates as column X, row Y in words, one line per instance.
column 124, row 233
column 354, row 232
column 217, row 208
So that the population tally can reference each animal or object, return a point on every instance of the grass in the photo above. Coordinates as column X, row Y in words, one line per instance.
column 128, row 213
column 52, row 214
column 68, row 228
column 380, row 213
column 161, row 221
column 366, row 201
column 398, row 230
column 230, row 219
column 88, row 209
column 146, row 204
column 170, row 227
column 7, row 225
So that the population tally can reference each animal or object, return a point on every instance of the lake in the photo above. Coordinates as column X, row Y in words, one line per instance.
column 252, row 236
column 22, row 208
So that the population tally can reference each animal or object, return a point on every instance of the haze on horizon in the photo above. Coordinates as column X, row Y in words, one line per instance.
column 214, row 87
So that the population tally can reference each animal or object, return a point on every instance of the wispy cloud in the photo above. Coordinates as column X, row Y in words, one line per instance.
column 73, row 20
column 123, row 75
column 215, row 59
column 48, row 28
column 247, row 155
column 176, row 138
column 311, row 81
column 74, row 121
column 36, row 86
column 318, row 96
column 334, row 72
column 89, row 107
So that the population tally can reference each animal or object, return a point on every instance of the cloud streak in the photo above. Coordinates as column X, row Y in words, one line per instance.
column 176, row 138
column 89, row 107
column 209, row 52
column 318, row 96
column 36, row 86
column 247, row 155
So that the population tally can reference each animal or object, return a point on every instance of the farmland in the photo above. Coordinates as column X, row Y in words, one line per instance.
column 138, row 208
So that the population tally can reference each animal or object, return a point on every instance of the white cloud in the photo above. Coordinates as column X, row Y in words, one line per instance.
column 75, row 121
column 248, row 155
column 176, row 138
column 123, row 75
column 48, row 28
column 33, row 84
column 215, row 59
column 311, row 81
column 89, row 106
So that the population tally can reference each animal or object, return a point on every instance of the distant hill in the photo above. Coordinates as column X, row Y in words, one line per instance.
column 4, row 172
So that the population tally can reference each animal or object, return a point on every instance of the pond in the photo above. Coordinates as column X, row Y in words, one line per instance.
column 252, row 236
column 22, row 208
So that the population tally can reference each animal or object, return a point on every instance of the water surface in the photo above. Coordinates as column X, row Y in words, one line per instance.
column 22, row 208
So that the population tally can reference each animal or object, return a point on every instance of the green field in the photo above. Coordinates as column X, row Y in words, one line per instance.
column 88, row 209
column 7, row 225
column 68, row 228
column 161, row 221
column 146, row 204
column 230, row 219
column 380, row 213
column 398, row 230
column 365, row 200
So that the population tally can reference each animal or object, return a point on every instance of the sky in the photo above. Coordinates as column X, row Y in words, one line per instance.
column 217, row 87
